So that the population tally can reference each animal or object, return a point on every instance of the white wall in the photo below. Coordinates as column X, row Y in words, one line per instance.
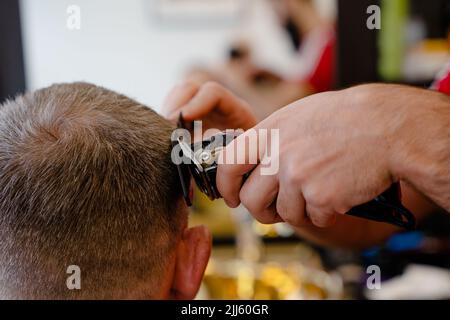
column 122, row 47
column 118, row 46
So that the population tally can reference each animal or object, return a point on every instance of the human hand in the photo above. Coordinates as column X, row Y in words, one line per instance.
column 216, row 106
column 334, row 153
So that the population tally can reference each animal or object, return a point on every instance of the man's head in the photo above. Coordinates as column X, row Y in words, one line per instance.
column 86, row 179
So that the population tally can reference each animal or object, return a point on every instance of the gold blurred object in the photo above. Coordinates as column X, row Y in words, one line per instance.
column 251, row 269
column 284, row 281
column 272, row 230
column 237, row 279
column 245, row 282
column 214, row 214
column 266, row 230
column 435, row 45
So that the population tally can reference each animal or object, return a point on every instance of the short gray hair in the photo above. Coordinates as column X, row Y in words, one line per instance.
column 86, row 179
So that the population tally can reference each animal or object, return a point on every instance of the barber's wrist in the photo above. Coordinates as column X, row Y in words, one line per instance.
column 418, row 140
column 390, row 113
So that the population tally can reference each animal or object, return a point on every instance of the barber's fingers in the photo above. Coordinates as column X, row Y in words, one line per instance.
column 229, row 180
column 178, row 97
column 258, row 195
column 320, row 217
column 211, row 96
column 291, row 205
column 238, row 158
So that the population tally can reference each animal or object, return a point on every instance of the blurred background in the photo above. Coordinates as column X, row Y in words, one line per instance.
column 269, row 52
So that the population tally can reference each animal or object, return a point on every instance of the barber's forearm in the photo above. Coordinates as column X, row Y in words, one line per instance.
column 421, row 150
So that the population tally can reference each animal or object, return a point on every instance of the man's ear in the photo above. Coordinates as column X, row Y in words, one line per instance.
column 193, row 254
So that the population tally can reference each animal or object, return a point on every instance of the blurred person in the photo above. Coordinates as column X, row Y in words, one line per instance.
column 313, row 39
column 86, row 179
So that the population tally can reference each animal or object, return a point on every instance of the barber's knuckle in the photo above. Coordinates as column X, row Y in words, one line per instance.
column 323, row 219
column 289, row 178
column 212, row 87
column 297, row 179
column 292, row 220
column 247, row 201
column 289, row 215
column 187, row 86
column 317, row 222
column 298, row 173
column 342, row 208
column 315, row 196
column 281, row 209
column 316, row 217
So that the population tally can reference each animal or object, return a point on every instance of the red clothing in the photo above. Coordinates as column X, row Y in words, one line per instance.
column 442, row 83
column 316, row 60
column 322, row 78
